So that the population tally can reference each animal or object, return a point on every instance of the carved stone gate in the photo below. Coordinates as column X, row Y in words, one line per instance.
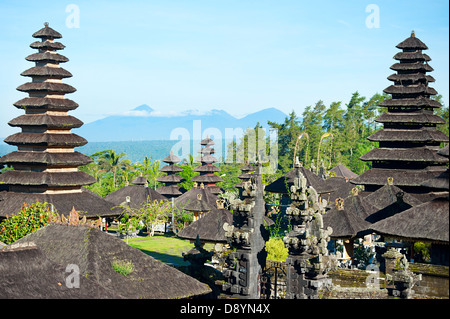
column 273, row 280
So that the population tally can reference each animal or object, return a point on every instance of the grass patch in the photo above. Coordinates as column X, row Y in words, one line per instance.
column 168, row 249
column 123, row 267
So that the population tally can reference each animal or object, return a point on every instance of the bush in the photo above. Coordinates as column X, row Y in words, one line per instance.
column 29, row 219
column 276, row 250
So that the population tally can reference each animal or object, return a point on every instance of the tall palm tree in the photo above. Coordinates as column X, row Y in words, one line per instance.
column 109, row 161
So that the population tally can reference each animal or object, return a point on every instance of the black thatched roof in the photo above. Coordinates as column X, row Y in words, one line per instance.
column 28, row 274
column 138, row 195
column 401, row 135
column 207, row 141
column 46, row 71
column 416, row 117
column 402, row 177
column 209, row 227
column 45, row 120
column 47, row 33
column 425, row 222
column 389, row 200
column 412, row 43
column 342, row 171
column 50, row 179
column 90, row 205
column 47, row 45
column 342, row 188
column 46, row 87
column 444, row 151
column 44, row 57
column 172, row 158
column 45, row 158
column 95, row 253
column 172, row 178
column 191, row 195
column 46, row 103
column 171, row 191
column 418, row 102
column 413, row 154
column 171, row 169
column 282, row 184
column 46, row 139
column 349, row 222
column 206, row 179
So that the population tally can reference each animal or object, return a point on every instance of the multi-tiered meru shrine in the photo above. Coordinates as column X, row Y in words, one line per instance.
column 409, row 140
column 207, row 169
column 45, row 165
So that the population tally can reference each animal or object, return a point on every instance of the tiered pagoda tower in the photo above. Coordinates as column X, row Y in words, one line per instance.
column 409, row 140
column 45, row 163
column 171, row 180
column 207, row 169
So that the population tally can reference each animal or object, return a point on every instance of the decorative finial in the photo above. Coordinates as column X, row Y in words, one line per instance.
column 46, row 24
column 413, row 34
column 390, row 181
column 355, row 191
column 339, row 203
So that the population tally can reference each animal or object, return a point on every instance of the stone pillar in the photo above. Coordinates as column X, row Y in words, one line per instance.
column 400, row 280
column 307, row 264
column 248, row 235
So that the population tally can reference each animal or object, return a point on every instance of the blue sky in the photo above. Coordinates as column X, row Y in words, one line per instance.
column 239, row 56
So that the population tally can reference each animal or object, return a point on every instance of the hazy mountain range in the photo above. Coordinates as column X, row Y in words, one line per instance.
column 144, row 123
column 143, row 131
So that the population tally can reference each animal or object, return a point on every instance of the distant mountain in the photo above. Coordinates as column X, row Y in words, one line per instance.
column 144, row 124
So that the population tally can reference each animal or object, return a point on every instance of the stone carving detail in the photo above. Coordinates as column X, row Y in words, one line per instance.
column 402, row 280
column 308, row 261
column 245, row 266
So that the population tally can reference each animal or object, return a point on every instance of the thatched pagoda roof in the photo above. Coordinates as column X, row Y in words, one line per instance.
column 342, row 171
column 191, row 195
column 47, row 45
column 96, row 252
column 425, row 222
column 440, row 182
column 171, row 158
column 417, row 154
column 282, row 184
column 45, row 120
column 50, row 179
column 342, row 188
column 89, row 204
column 171, row 191
column 402, row 177
column 47, row 33
column 389, row 200
column 412, row 43
column 46, row 103
column 209, row 227
column 348, row 221
column 28, row 274
column 137, row 194
column 416, row 117
column 46, row 139
column 45, row 158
